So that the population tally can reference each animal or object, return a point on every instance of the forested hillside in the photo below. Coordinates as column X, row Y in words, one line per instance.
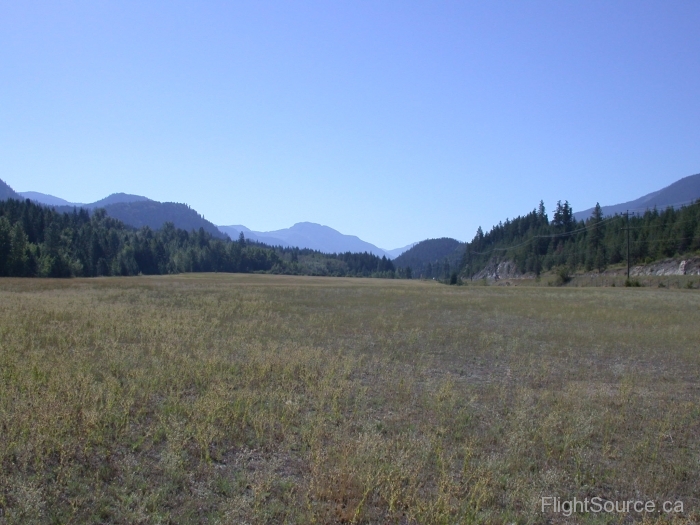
column 154, row 214
column 436, row 258
column 7, row 193
column 39, row 241
column 534, row 243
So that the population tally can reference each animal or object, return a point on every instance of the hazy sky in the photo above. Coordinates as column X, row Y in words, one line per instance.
column 393, row 121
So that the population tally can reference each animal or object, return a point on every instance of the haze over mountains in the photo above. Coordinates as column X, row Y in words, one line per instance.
column 138, row 211
column 313, row 236
column 134, row 210
column 429, row 257
column 115, row 198
column 683, row 191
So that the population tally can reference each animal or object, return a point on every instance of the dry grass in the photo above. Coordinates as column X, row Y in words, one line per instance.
column 270, row 399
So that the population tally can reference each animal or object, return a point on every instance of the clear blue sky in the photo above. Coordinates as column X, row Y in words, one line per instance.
column 393, row 121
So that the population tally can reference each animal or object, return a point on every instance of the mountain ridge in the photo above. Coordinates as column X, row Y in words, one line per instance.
column 6, row 192
column 309, row 235
column 52, row 200
column 43, row 198
column 301, row 235
column 155, row 214
column 138, row 211
column 134, row 210
column 683, row 191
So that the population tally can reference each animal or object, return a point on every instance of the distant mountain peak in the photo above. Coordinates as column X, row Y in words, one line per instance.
column 51, row 200
column 139, row 211
column 116, row 198
column 305, row 226
column 309, row 235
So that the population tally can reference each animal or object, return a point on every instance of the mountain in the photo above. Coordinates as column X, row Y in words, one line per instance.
column 235, row 231
column 43, row 198
column 393, row 254
column 138, row 211
column 155, row 214
column 308, row 235
column 51, row 200
column 116, row 198
column 683, row 191
column 134, row 210
column 57, row 244
column 231, row 231
column 427, row 258
column 8, row 193
column 323, row 238
column 239, row 228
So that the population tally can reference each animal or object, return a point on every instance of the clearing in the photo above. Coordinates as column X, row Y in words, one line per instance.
column 214, row 398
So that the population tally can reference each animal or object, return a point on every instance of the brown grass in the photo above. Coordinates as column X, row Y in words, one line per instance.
column 271, row 399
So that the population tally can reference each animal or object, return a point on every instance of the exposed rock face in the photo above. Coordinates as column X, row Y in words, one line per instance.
column 689, row 266
column 500, row 271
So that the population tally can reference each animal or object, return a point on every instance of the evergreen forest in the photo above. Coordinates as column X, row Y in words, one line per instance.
column 38, row 241
column 535, row 243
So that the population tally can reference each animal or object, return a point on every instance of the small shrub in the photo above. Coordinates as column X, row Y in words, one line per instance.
column 563, row 276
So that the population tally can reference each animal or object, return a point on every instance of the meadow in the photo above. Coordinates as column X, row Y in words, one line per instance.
column 228, row 398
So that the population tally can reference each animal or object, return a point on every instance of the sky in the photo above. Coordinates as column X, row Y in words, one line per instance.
column 393, row 121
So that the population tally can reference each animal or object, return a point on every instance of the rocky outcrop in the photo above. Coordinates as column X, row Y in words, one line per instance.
column 686, row 266
column 500, row 271
column 689, row 266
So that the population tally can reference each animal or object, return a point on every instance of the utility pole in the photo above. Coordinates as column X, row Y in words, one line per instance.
column 628, row 244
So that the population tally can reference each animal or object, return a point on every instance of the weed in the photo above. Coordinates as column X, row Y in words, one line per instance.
column 276, row 399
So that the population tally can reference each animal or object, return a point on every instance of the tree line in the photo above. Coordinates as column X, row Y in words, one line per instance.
column 38, row 241
column 535, row 243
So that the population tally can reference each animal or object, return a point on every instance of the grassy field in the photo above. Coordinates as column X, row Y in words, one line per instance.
column 271, row 399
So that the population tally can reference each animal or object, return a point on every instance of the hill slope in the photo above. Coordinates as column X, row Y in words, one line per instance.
column 51, row 200
column 133, row 210
column 393, row 254
column 236, row 230
column 8, row 193
column 683, row 191
column 308, row 235
column 138, row 211
column 116, row 198
column 43, row 198
column 322, row 238
column 427, row 258
column 42, row 241
column 155, row 214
